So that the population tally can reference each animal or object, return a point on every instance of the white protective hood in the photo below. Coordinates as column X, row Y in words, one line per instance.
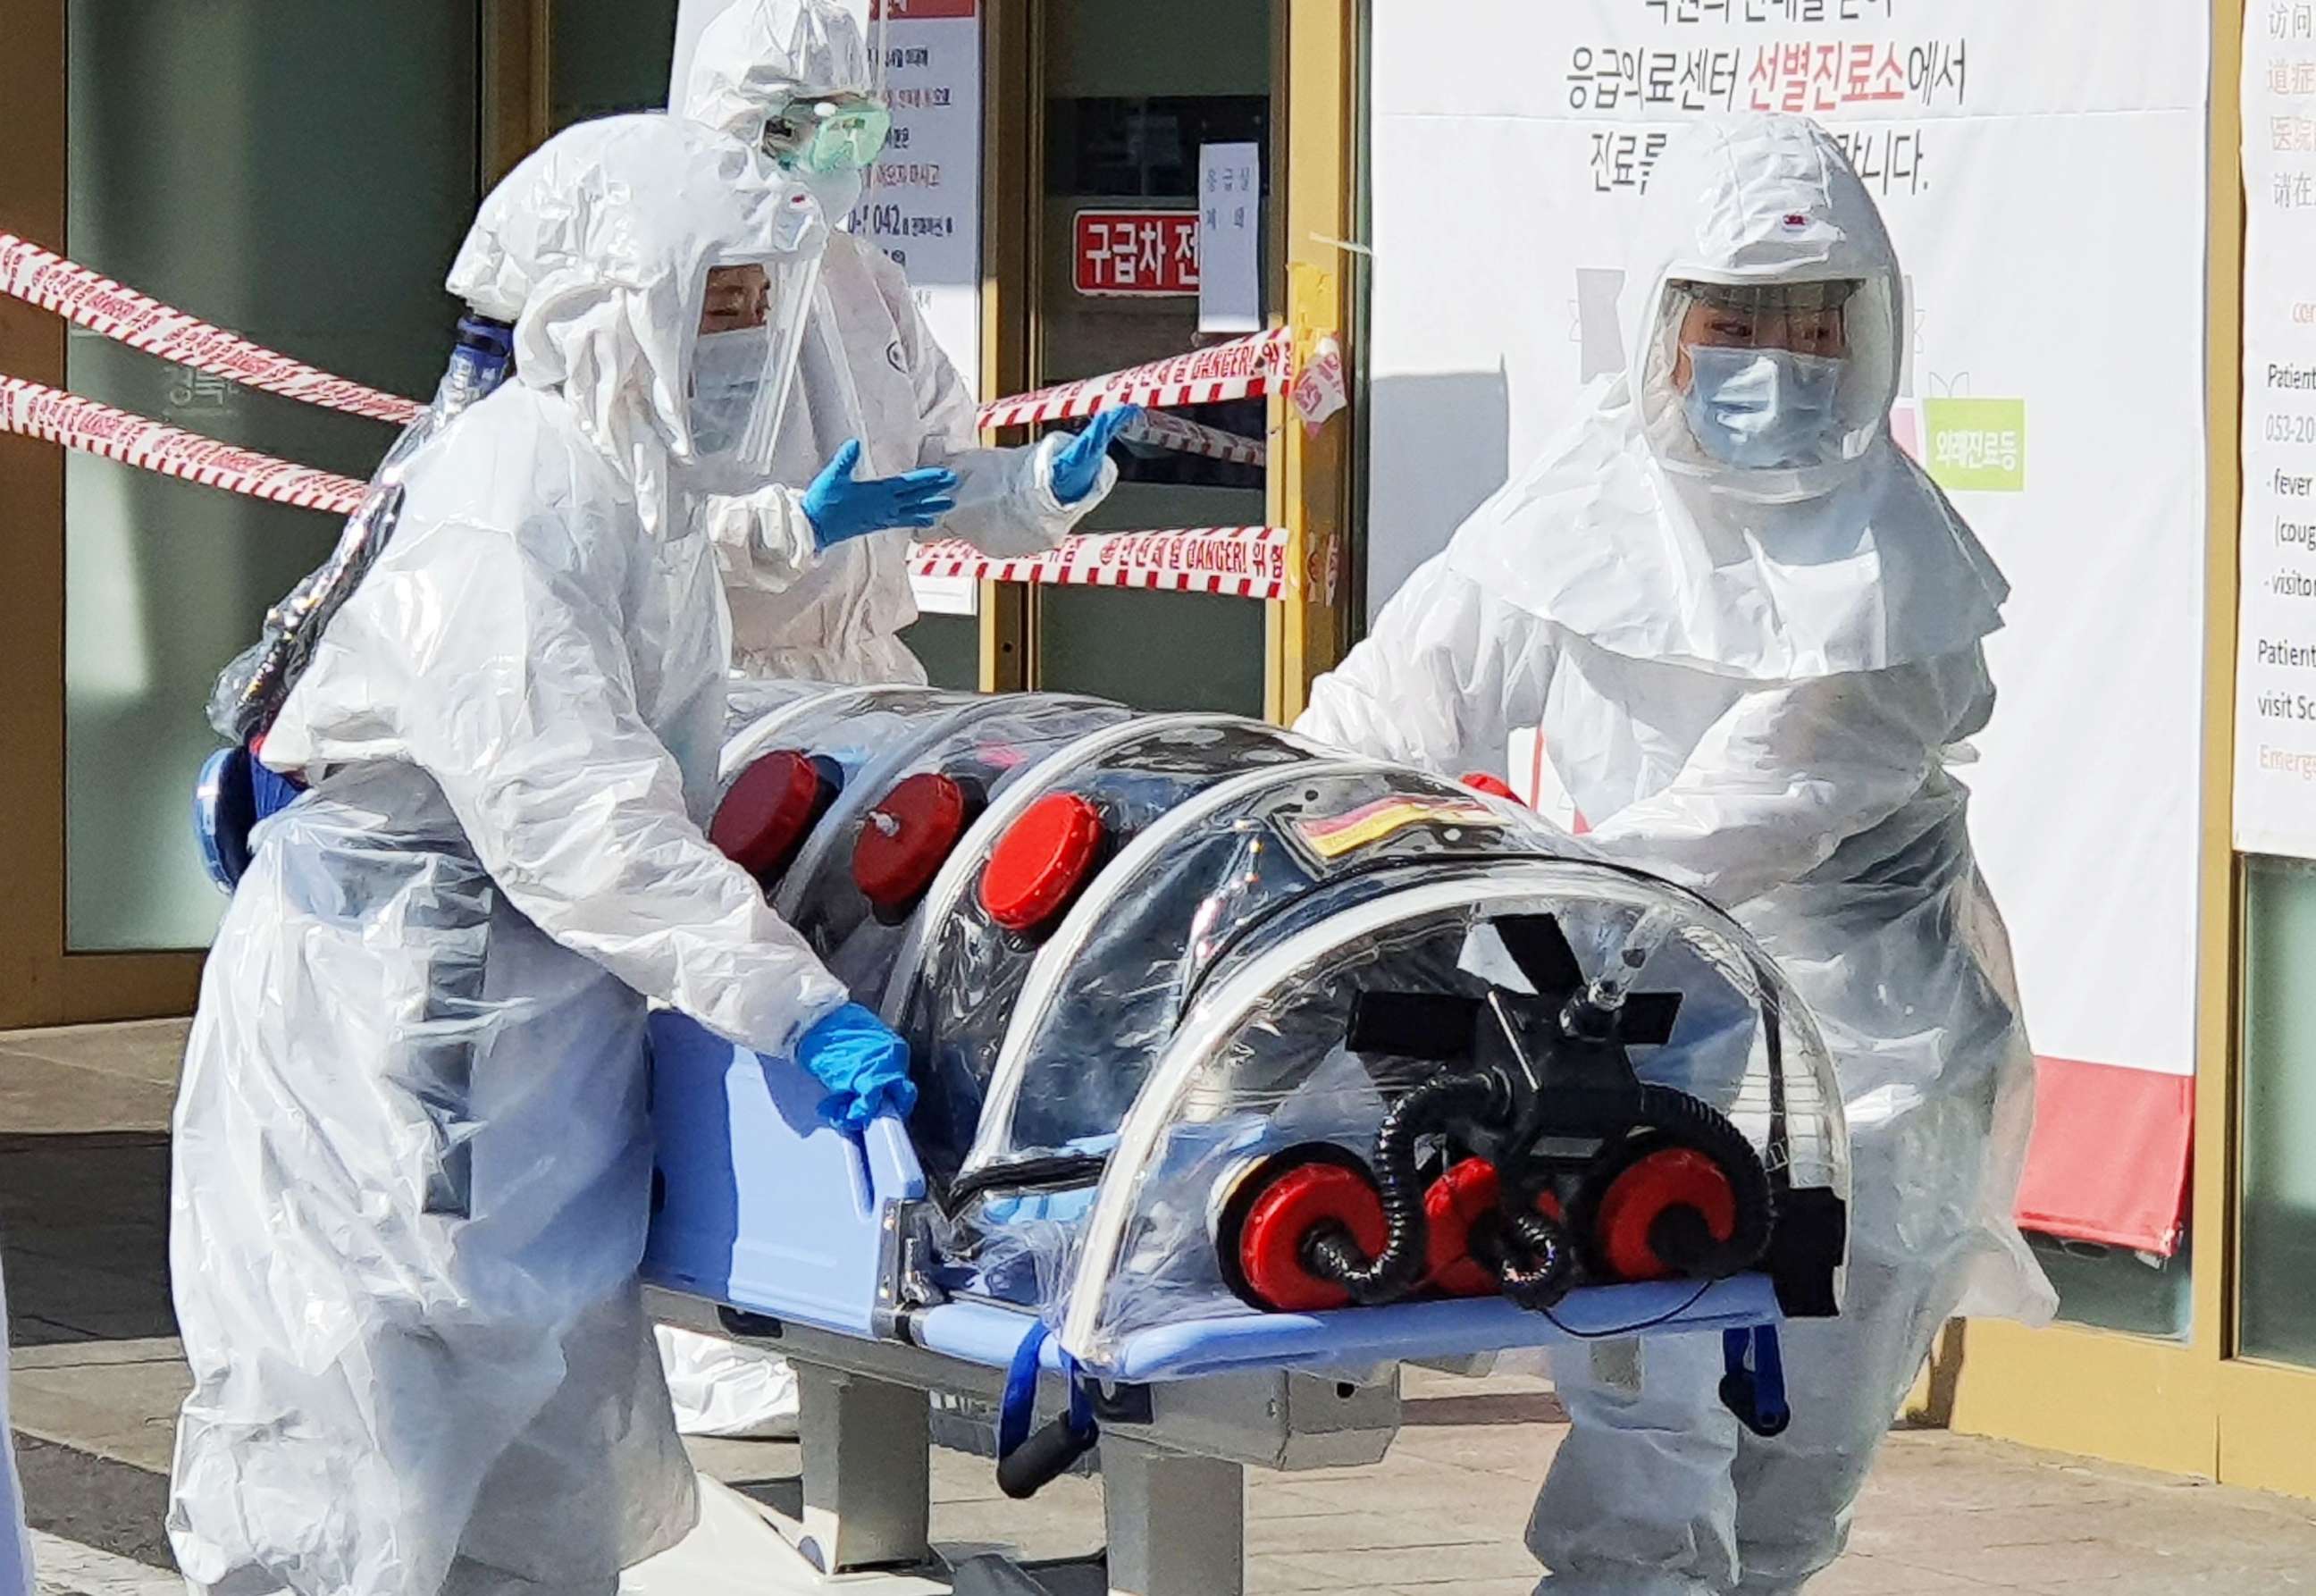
column 597, row 247
column 1625, row 533
column 762, row 53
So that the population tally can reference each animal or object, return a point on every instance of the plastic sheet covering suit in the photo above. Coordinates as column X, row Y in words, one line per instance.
column 16, row 1541
column 869, row 368
column 412, row 1158
column 1748, row 680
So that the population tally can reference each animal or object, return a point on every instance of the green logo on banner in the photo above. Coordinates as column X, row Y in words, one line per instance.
column 1976, row 445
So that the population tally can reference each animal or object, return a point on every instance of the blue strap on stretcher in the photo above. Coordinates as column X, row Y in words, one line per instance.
column 1028, row 1463
column 1754, row 1386
column 235, row 792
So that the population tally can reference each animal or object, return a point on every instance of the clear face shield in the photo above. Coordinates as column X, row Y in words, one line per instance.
column 1773, row 376
column 743, row 367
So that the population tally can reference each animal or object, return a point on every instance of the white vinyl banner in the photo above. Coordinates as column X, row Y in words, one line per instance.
column 2043, row 167
column 2276, row 666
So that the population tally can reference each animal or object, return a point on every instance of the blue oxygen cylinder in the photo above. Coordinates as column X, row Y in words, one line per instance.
column 480, row 361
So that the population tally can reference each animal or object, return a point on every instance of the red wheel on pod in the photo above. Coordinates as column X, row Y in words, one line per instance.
column 1269, row 1211
column 1271, row 1248
column 1457, row 1200
column 1459, row 1203
column 1650, row 1192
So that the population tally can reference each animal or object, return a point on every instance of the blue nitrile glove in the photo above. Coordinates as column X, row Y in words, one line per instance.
column 864, row 1066
column 1078, row 468
column 841, row 505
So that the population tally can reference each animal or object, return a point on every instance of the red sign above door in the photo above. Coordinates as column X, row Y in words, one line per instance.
column 1137, row 255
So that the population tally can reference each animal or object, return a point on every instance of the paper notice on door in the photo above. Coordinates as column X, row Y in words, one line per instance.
column 923, row 207
column 946, row 596
column 1230, row 237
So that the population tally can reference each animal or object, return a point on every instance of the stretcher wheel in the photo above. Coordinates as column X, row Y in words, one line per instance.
column 1462, row 1216
column 1042, row 861
column 909, row 835
column 1493, row 786
column 766, row 813
column 1271, row 1210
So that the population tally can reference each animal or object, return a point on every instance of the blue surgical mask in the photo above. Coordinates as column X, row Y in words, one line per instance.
column 1762, row 409
column 727, row 374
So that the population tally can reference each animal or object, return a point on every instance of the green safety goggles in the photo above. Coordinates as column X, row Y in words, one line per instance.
column 820, row 137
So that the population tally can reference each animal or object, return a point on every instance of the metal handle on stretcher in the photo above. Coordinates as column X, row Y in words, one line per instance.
column 1046, row 1457
column 1026, row 1462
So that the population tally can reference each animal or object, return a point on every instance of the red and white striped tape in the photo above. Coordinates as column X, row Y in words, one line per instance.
column 1243, row 368
column 40, row 411
column 1188, row 437
column 1243, row 562
column 41, row 277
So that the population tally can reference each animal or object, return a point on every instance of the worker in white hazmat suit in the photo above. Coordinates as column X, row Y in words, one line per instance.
column 880, row 437
column 412, row 1160
column 15, row 1540
column 1748, row 627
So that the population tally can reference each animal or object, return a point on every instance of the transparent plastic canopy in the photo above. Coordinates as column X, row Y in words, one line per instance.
column 1261, row 1061
column 1130, row 954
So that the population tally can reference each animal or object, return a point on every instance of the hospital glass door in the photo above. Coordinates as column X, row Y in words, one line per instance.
column 1131, row 91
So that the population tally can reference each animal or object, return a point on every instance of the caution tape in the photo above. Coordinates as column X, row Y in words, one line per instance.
column 1157, row 428
column 1241, row 562
column 1249, row 561
column 37, row 411
column 41, row 277
column 1243, row 368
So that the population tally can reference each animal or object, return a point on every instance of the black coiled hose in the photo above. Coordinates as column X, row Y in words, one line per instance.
column 1539, row 1266
column 1333, row 1253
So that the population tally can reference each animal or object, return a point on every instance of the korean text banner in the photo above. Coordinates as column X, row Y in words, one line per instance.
column 2044, row 170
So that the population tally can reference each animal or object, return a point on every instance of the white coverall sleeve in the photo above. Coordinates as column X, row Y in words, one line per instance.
column 1442, row 681
column 1792, row 771
column 524, row 709
column 1005, row 502
column 763, row 540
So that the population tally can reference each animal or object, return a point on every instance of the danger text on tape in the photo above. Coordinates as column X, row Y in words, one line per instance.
column 1243, row 562
column 1242, row 369
column 37, row 411
column 41, row 277
column 1157, row 428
